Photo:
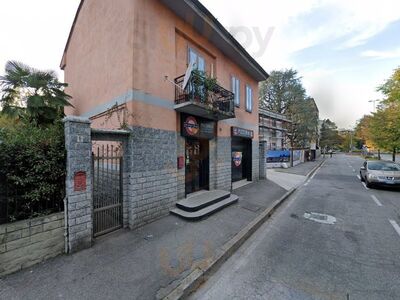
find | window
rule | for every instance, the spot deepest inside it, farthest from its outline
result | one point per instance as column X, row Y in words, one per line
column 249, row 99
column 236, row 90
column 199, row 61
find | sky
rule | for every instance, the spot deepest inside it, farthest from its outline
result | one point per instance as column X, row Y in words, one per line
column 342, row 49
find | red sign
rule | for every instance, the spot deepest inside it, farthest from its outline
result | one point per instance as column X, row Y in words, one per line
column 191, row 126
column 80, row 181
column 181, row 162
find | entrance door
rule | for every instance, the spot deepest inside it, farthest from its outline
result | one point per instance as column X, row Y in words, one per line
column 241, row 159
column 197, row 165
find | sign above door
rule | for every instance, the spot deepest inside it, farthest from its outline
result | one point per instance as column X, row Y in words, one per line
column 243, row 133
column 196, row 127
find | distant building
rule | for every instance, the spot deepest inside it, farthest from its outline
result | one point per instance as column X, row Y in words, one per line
column 273, row 129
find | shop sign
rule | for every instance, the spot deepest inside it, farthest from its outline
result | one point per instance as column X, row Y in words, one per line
column 191, row 126
column 241, row 132
column 197, row 127
column 237, row 158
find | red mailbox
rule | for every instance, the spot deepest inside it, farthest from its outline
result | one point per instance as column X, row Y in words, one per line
column 181, row 162
column 80, row 181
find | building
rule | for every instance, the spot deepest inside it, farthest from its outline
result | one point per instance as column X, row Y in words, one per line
column 169, row 72
column 274, row 130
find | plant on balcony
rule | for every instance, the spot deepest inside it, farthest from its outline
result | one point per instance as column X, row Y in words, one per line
column 203, row 85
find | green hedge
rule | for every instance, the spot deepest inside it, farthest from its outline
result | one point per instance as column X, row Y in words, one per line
column 32, row 171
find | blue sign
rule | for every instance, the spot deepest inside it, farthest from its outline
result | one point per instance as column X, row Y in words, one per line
column 278, row 156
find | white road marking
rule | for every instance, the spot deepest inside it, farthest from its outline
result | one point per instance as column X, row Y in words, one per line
column 358, row 176
column 376, row 200
column 363, row 183
column 395, row 226
column 354, row 170
column 315, row 173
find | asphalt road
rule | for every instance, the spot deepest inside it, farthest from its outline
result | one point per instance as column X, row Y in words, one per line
column 291, row 257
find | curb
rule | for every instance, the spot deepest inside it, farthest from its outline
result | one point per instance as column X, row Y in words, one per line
column 315, row 168
column 200, row 274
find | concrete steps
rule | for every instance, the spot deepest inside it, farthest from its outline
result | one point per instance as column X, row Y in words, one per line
column 203, row 204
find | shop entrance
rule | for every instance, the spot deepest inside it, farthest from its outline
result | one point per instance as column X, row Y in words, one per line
column 197, row 165
column 241, row 159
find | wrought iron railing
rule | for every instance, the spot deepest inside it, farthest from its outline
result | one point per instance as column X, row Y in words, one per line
column 211, row 96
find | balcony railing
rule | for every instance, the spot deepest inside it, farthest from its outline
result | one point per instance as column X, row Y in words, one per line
column 201, row 98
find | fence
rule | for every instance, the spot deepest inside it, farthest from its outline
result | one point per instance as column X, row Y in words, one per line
column 17, row 204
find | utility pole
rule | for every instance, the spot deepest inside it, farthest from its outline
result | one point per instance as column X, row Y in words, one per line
column 374, row 102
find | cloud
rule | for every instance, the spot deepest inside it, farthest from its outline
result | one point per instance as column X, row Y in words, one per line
column 381, row 54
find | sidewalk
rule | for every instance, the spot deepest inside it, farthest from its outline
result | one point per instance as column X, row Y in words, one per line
column 144, row 263
column 292, row 177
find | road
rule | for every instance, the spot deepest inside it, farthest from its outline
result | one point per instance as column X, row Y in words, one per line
column 292, row 257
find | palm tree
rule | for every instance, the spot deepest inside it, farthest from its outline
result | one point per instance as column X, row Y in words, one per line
column 32, row 95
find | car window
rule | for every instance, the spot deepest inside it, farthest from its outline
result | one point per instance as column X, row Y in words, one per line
column 383, row 166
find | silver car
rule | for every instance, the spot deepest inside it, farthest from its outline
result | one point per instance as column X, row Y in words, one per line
column 380, row 173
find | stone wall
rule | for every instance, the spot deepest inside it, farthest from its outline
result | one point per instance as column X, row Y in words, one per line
column 181, row 172
column 223, row 168
column 79, row 202
column 153, row 179
column 263, row 160
column 26, row 243
column 255, row 165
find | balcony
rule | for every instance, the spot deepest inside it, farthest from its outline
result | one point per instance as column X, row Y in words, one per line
column 204, row 98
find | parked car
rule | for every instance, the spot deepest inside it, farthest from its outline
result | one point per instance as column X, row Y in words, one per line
column 375, row 173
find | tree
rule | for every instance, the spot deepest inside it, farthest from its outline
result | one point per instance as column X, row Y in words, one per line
column 305, row 117
column 385, row 128
column 363, row 133
column 385, row 123
column 284, row 93
column 281, row 90
column 31, row 95
column 391, row 88
column 330, row 138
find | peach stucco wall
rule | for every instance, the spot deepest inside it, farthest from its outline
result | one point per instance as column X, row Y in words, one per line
column 160, row 49
column 133, row 46
column 98, row 61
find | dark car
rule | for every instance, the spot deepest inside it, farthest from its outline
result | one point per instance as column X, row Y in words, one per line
column 375, row 173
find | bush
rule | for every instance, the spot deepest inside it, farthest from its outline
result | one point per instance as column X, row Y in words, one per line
column 32, row 171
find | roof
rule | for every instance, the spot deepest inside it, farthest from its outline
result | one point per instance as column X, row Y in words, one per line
column 62, row 64
column 192, row 11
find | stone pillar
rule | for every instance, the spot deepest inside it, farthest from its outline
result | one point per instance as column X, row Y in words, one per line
column 78, row 205
column 263, row 161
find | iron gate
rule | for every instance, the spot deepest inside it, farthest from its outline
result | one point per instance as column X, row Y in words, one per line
column 107, row 189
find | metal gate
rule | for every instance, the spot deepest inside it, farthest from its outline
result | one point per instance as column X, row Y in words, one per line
column 107, row 189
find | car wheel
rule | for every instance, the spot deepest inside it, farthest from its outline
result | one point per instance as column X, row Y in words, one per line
column 368, row 184
column 362, row 178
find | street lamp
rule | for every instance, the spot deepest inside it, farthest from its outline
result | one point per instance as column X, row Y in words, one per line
column 374, row 102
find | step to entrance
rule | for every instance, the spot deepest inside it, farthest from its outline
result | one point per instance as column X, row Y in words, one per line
column 203, row 204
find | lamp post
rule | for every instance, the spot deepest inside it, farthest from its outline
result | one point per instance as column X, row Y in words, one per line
column 374, row 102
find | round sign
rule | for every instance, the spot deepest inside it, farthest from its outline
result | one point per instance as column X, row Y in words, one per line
column 237, row 158
column 191, row 126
